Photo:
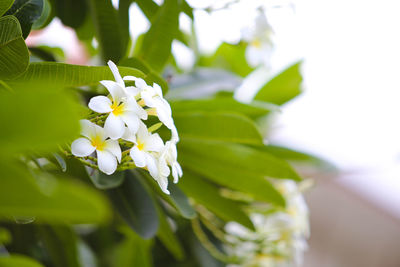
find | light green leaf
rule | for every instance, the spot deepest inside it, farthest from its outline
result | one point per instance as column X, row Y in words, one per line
column 108, row 31
column 206, row 194
column 221, row 104
column 5, row 236
column 14, row 56
column 5, row 5
column 283, row 87
column 18, row 261
column 72, row 12
column 27, row 12
column 132, row 201
column 48, row 200
column 229, row 127
column 156, row 46
column 71, row 75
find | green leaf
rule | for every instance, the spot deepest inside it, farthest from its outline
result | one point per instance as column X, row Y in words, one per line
column 149, row 8
column 14, row 55
column 283, row 87
column 15, row 260
column 228, row 127
column 71, row 75
column 108, row 31
column 5, row 5
column 5, row 236
column 221, row 104
column 45, row 18
column 61, row 243
column 104, row 181
column 132, row 251
column 208, row 195
column 151, row 76
column 27, row 12
column 71, row 12
column 236, row 166
column 168, row 237
column 156, row 46
column 48, row 199
column 37, row 118
column 132, row 201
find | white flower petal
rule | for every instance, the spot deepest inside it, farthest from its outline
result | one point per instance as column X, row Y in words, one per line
column 129, row 136
column 131, row 120
column 132, row 105
column 142, row 132
column 113, row 147
column 165, row 118
column 129, row 78
column 117, row 91
column 114, row 127
column 87, row 128
column 132, row 90
column 176, row 171
column 139, row 157
column 163, row 167
column 154, row 143
column 100, row 104
column 115, row 72
column 141, row 84
column 82, row 147
column 157, row 89
column 148, row 98
column 163, row 183
column 151, row 165
column 106, row 161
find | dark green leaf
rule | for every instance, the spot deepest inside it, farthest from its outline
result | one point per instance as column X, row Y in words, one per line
column 14, row 56
column 283, row 87
column 27, row 12
column 18, row 261
column 45, row 18
column 104, row 181
column 136, row 206
column 156, row 46
column 5, row 5
column 208, row 195
column 149, row 8
column 71, row 12
column 228, row 127
column 108, row 31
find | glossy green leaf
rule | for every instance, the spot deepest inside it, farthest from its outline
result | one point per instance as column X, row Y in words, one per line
column 5, row 5
column 48, row 199
column 221, row 104
column 132, row 251
column 37, row 117
column 45, row 17
column 27, row 12
column 14, row 56
column 132, row 201
column 61, row 243
column 283, row 87
column 71, row 12
column 156, row 46
column 104, row 181
column 206, row 194
column 229, row 127
column 151, row 76
column 71, row 75
column 107, row 28
column 15, row 260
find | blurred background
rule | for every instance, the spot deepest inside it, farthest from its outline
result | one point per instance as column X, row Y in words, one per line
column 347, row 114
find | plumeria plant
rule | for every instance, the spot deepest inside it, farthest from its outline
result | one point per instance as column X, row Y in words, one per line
column 129, row 159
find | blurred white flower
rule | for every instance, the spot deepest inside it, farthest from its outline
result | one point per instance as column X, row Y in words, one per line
column 168, row 156
column 107, row 150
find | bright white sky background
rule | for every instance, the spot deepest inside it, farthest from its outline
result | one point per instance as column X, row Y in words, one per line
column 349, row 112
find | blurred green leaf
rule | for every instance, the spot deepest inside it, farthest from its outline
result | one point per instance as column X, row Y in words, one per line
column 228, row 127
column 70, row 75
column 15, row 260
column 61, row 243
column 187, row 9
column 151, row 76
column 282, row 87
column 132, row 251
column 104, row 181
column 156, row 46
column 132, row 201
column 45, row 17
column 27, row 12
column 48, row 199
column 5, row 5
column 222, row 104
column 107, row 28
column 72, row 13
column 14, row 56
column 5, row 236
column 37, row 118
column 208, row 195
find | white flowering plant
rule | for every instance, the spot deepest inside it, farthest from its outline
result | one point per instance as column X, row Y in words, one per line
column 125, row 158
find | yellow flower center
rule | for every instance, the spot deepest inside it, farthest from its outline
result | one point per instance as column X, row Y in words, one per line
column 256, row 43
column 98, row 143
column 117, row 109
column 140, row 145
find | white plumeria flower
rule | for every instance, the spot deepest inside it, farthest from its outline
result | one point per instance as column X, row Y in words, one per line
column 107, row 150
column 168, row 156
column 123, row 110
column 145, row 150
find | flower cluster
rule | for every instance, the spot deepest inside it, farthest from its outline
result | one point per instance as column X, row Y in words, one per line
column 123, row 113
column 280, row 237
